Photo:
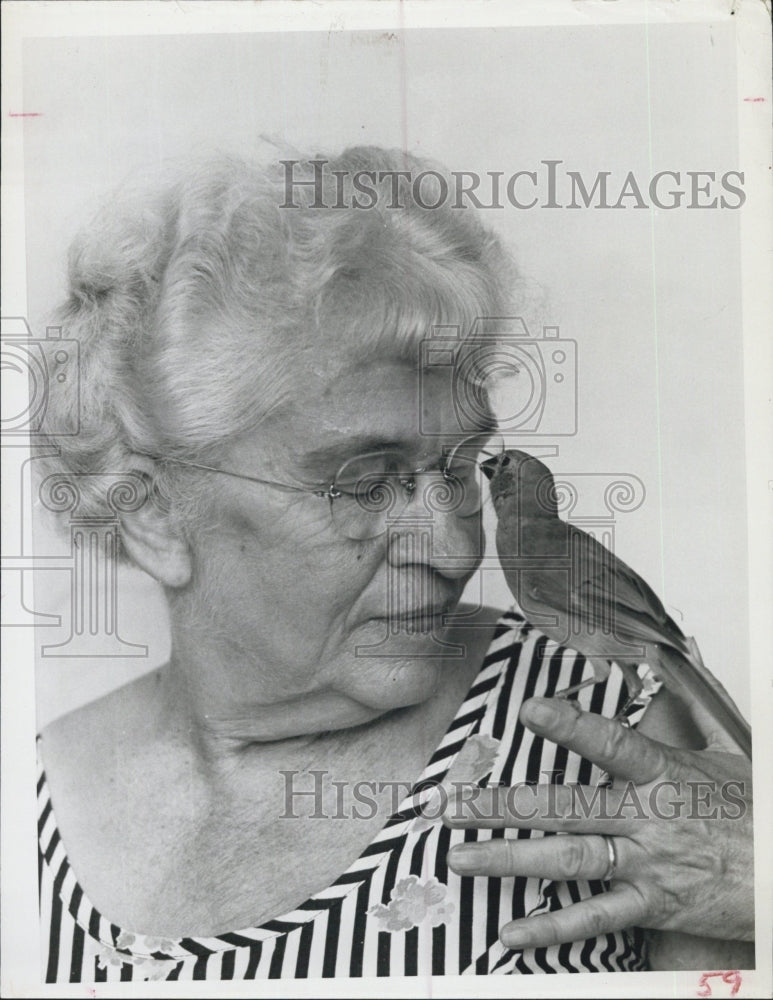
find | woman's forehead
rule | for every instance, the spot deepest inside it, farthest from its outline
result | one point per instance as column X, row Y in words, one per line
column 392, row 395
column 356, row 404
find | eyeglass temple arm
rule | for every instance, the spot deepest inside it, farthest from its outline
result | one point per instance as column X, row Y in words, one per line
column 328, row 494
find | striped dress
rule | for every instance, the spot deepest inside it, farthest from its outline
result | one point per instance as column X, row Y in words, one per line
column 398, row 909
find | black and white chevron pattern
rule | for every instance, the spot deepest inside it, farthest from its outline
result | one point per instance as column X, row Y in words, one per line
column 335, row 933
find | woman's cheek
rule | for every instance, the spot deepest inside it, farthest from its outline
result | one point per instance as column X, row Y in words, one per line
column 342, row 577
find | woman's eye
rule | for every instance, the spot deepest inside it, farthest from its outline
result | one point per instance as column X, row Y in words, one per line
column 365, row 470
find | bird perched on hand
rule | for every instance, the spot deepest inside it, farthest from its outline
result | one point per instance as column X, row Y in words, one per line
column 582, row 596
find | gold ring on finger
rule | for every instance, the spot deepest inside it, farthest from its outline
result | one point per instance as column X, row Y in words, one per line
column 609, row 874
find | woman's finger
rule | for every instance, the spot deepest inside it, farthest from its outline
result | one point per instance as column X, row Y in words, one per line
column 560, row 858
column 615, row 748
column 559, row 808
column 615, row 910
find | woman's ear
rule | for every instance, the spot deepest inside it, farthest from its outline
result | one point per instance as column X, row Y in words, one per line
column 152, row 538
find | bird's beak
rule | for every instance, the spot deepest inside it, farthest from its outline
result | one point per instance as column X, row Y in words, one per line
column 489, row 467
column 492, row 465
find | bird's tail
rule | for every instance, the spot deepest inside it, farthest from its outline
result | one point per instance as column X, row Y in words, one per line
column 700, row 685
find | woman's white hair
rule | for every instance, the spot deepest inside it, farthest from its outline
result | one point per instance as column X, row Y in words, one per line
column 198, row 305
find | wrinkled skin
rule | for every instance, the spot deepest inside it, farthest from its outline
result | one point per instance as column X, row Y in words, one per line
column 692, row 874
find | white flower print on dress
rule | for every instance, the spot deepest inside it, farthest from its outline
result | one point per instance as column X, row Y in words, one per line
column 475, row 761
column 411, row 903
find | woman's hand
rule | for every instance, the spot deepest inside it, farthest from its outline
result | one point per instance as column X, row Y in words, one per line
column 676, row 823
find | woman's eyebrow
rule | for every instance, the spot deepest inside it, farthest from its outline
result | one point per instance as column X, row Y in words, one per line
column 350, row 446
column 361, row 444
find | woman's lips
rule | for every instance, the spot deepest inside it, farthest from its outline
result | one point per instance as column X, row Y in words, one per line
column 431, row 612
column 399, row 612
column 422, row 619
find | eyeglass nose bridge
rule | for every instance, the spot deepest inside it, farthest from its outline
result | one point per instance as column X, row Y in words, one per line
column 394, row 499
column 390, row 494
column 431, row 493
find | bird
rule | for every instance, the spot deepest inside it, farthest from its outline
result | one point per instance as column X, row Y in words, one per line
column 581, row 595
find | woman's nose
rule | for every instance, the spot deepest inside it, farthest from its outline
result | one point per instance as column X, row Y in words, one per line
column 451, row 545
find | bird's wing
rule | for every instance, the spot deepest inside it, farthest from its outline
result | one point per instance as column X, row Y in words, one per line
column 570, row 572
column 607, row 588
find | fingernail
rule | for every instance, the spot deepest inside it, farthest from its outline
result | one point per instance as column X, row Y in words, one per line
column 451, row 809
column 543, row 711
column 516, row 939
column 460, row 808
column 466, row 857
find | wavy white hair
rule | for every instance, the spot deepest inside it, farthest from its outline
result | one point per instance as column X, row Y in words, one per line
column 196, row 304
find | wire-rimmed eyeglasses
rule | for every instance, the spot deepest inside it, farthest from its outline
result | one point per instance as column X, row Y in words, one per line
column 371, row 490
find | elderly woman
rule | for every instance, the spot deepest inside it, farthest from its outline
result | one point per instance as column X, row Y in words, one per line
column 267, row 803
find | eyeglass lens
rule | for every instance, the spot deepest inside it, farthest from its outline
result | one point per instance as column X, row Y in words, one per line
column 371, row 491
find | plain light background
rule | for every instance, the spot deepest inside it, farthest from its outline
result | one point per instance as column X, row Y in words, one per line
column 652, row 297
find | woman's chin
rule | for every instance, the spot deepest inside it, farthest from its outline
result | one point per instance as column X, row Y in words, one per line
column 385, row 682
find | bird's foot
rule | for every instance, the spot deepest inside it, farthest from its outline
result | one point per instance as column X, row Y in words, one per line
column 622, row 715
column 634, row 687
